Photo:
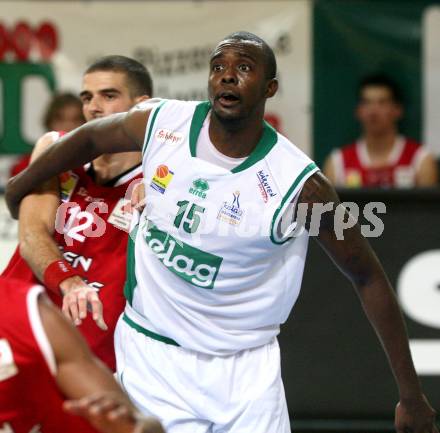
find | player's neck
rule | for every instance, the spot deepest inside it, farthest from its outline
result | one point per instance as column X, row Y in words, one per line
column 109, row 166
column 381, row 143
column 235, row 139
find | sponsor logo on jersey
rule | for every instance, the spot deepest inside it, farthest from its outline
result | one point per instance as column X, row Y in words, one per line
column 264, row 186
column 354, row 178
column 161, row 179
column 8, row 368
column 199, row 188
column 87, row 197
column 68, row 183
column 121, row 215
column 193, row 265
column 231, row 212
column 166, row 136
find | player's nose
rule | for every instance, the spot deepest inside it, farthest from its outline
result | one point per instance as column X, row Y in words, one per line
column 94, row 106
column 229, row 76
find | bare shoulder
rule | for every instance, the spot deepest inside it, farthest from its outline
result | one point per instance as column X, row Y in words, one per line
column 318, row 189
column 43, row 143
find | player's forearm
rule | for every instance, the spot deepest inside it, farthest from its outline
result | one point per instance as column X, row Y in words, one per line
column 39, row 249
column 355, row 258
column 36, row 227
column 382, row 309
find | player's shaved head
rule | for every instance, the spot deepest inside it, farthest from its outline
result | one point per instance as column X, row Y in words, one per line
column 268, row 54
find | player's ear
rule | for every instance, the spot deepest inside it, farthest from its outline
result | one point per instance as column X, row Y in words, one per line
column 141, row 98
column 271, row 88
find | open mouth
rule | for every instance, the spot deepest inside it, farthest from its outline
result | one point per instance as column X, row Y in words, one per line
column 228, row 99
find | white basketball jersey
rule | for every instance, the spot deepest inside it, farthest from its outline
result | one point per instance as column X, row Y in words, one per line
column 207, row 268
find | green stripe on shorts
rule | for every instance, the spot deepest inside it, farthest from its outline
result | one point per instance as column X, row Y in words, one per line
column 148, row 333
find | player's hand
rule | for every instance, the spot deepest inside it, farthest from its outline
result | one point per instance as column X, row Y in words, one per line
column 110, row 412
column 138, row 196
column 415, row 416
column 78, row 299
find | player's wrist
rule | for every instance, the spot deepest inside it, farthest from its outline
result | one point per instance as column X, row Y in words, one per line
column 56, row 273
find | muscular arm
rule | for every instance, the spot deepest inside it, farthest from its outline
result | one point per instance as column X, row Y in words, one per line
column 78, row 372
column 116, row 133
column 356, row 259
column 329, row 170
column 38, row 247
column 37, row 219
column 80, row 376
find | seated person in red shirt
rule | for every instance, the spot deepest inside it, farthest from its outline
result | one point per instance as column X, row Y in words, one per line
column 381, row 157
column 63, row 113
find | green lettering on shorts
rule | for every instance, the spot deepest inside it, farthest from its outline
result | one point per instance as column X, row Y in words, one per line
column 195, row 266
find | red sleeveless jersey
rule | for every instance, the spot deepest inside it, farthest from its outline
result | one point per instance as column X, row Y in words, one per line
column 353, row 168
column 29, row 397
column 92, row 231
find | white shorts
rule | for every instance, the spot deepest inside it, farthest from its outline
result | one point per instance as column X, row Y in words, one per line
column 196, row 393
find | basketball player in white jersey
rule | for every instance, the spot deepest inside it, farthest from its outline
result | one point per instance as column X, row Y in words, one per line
column 212, row 269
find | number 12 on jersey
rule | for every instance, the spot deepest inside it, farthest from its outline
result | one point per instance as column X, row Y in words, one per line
column 188, row 216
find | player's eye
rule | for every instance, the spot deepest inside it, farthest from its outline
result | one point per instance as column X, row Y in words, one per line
column 216, row 67
column 85, row 99
column 110, row 96
column 244, row 67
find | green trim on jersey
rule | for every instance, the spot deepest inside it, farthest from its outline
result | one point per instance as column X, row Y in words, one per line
column 148, row 333
column 130, row 282
column 287, row 198
column 263, row 147
column 199, row 117
column 151, row 124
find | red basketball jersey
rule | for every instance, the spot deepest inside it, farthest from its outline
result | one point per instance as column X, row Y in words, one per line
column 92, row 230
column 29, row 398
column 353, row 167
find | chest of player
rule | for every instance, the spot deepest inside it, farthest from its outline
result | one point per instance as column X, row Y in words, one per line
column 396, row 170
column 201, row 205
column 90, row 210
column 388, row 176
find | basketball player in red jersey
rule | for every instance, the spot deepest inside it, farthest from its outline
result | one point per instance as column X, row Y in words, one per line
column 81, row 260
column 381, row 157
column 43, row 359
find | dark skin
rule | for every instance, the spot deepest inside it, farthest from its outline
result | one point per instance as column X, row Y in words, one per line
column 238, row 88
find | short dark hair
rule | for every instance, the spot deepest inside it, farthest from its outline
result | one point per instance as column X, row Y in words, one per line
column 56, row 104
column 138, row 77
column 381, row 80
column 269, row 56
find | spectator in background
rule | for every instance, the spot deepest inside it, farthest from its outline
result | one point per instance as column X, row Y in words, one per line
column 381, row 157
column 63, row 113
